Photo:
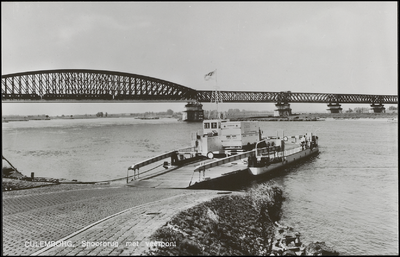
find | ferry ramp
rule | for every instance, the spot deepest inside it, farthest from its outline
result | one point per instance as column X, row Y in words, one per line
column 194, row 173
column 185, row 176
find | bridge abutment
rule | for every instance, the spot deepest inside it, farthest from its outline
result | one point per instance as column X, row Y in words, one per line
column 283, row 109
column 193, row 112
column 334, row 108
column 377, row 108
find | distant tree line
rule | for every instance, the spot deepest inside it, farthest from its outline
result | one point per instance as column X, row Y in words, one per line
column 101, row 114
column 366, row 109
column 169, row 112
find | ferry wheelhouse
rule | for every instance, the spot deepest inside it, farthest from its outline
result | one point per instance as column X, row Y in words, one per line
column 221, row 137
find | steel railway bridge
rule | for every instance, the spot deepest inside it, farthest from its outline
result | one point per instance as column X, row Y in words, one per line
column 77, row 85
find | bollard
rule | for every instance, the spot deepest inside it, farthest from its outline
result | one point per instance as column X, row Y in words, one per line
column 32, row 176
column 165, row 165
column 297, row 240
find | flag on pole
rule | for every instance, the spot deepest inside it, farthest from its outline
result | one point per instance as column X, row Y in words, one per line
column 210, row 75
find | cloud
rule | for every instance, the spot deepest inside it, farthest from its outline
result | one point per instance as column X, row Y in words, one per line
column 88, row 24
column 327, row 28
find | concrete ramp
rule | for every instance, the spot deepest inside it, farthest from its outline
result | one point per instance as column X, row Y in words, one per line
column 183, row 177
column 144, row 183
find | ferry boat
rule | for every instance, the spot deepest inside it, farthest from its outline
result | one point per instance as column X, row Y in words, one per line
column 237, row 148
column 222, row 137
column 274, row 152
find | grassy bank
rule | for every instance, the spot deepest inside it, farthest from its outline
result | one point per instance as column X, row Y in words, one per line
column 9, row 184
column 227, row 225
column 12, row 179
column 236, row 225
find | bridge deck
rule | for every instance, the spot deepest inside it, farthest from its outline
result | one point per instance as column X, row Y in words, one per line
column 82, row 85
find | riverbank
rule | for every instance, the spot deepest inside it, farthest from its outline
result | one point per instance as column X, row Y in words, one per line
column 16, row 118
column 12, row 179
column 21, row 182
column 9, row 184
column 293, row 117
column 126, row 220
column 243, row 224
column 321, row 117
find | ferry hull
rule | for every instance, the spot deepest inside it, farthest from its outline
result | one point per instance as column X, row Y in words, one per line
column 256, row 171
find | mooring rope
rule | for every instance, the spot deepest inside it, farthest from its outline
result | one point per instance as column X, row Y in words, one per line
column 10, row 164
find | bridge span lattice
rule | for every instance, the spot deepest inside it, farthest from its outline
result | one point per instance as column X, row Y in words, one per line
column 78, row 85
column 90, row 85
column 242, row 96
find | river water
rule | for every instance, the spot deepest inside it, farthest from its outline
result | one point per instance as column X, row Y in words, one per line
column 347, row 196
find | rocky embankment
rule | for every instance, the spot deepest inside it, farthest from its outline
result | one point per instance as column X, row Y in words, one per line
column 234, row 225
column 17, row 184
column 287, row 242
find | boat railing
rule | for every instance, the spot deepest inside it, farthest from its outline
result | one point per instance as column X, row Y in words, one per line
column 138, row 165
column 187, row 150
column 204, row 166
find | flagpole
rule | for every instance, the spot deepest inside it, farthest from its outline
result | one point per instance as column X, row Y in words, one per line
column 216, row 93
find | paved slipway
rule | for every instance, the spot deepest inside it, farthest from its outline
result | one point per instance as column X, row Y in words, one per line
column 77, row 217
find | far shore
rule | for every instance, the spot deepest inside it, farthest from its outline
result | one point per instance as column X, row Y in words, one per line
column 11, row 118
column 323, row 117
column 260, row 117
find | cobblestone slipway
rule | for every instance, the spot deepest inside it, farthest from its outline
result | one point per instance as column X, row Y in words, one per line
column 118, row 217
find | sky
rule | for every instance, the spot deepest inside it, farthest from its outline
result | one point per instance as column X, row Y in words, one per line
column 316, row 47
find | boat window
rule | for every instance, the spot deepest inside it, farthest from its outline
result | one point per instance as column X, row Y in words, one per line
column 228, row 137
column 213, row 125
column 219, row 125
column 206, row 125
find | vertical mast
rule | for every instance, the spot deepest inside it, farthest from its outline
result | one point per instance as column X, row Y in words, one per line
column 213, row 75
column 217, row 98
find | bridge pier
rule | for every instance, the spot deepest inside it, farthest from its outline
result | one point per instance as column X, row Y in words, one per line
column 193, row 112
column 377, row 108
column 334, row 108
column 283, row 109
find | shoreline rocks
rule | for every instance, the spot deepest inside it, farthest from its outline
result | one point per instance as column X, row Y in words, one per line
column 9, row 184
column 320, row 249
column 12, row 179
column 288, row 243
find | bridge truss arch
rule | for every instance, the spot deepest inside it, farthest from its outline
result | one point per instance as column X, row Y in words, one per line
column 292, row 97
column 78, row 84
column 82, row 84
